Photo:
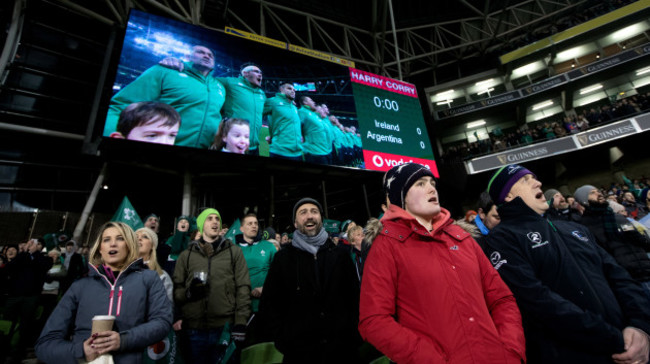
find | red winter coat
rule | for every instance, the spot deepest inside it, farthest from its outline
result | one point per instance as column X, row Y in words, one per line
column 435, row 297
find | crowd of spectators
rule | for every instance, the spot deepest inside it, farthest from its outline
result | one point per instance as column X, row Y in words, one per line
column 265, row 278
column 629, row 199
column 35, row 276
column 544, row 130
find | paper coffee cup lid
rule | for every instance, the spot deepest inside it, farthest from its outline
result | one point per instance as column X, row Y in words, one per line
column 104, row 317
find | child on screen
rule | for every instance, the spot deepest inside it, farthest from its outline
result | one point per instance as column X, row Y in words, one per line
column 149, row 121
column 232, row 136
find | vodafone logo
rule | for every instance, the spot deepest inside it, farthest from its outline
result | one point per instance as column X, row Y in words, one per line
column 379, row 161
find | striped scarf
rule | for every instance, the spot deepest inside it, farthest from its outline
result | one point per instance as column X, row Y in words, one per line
column 608, row 218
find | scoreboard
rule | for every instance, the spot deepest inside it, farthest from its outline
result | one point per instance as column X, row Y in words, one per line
column 391, row 122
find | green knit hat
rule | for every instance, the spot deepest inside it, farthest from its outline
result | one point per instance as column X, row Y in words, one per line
column 204, row 215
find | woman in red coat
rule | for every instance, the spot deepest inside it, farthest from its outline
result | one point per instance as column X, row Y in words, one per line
column 429, row 294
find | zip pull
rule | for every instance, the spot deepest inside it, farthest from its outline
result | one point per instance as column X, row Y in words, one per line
column 119, row 302
column 110, row 301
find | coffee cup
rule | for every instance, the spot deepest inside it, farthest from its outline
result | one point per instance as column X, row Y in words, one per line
column 102, row 323
column 201, row 276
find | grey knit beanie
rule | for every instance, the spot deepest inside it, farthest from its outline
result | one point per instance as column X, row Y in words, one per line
column 582, row 194
column 548, row 195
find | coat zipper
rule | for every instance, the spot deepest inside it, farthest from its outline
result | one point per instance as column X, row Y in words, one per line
column 112, row 294
column 579, row 269
column 110, row 301
column 119, row 301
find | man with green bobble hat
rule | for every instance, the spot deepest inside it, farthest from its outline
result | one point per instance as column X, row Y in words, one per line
column 284, row 124
column 188, row 88
column 212, row 290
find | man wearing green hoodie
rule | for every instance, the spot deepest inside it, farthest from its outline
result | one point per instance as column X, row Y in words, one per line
column 284, row 124
column 197, row 96
column 246, row 101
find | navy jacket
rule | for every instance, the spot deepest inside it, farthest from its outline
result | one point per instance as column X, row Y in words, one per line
column 574, row 298
column 137, row 299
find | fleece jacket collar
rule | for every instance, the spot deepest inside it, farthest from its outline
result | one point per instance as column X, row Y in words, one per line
column 395, row 213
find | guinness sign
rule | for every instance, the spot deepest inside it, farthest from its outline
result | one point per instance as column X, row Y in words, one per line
column 521, row 155
column 567, row 144
column 606, row 133
column 643, row 121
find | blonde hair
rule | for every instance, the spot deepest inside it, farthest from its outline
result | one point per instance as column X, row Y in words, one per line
column 152, row 263
column 125, row 230
column 353, row 230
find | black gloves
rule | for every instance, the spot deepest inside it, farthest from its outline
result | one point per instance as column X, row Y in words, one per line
column 197, row 290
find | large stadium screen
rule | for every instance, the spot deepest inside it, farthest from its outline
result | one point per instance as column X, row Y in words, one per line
column 188, row 86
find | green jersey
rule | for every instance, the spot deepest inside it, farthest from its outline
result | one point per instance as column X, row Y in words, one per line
column 244, row 101
column 258, row 259
column 317, row 141
column 197, row 98
column 284, row 126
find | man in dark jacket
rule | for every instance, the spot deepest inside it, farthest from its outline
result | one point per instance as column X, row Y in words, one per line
column 311, row 295
column 578, row 305
column 26, row 275
column 616, row 234
column 559, row 208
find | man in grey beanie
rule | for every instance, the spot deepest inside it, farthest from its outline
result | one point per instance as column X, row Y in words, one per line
column 311, row 294
column 582, row 194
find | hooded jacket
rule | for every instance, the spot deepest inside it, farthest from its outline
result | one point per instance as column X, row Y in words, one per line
column 433, row 297
column 197, row 98
column 311, row 305
column 284, row 126
column 143, row 315
column 228, row 298
column 574, row 299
